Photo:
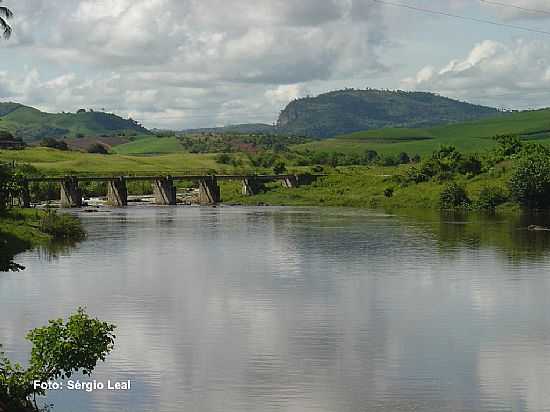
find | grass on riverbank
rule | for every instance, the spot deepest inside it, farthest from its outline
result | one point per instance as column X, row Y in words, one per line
column 364, row 187
column 24, row 229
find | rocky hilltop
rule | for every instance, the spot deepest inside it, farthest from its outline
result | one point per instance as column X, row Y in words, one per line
column 350, row 110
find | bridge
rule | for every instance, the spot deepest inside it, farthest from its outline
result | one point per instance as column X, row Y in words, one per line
column 164, row 189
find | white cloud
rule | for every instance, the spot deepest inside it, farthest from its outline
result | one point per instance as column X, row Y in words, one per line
column 202, row 60
column 190, row 63
column 492, row 69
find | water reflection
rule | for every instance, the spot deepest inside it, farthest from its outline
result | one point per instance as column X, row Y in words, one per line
column 269, row 308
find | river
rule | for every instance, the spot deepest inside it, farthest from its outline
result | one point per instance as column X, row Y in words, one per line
column 291, row 309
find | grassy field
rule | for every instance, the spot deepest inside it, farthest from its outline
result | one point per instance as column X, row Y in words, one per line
column 149, row 146
column 56, row 162
column 467, row 137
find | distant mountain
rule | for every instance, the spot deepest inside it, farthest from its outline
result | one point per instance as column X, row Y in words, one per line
column 350, row 110
column 31, row 124
column 247, row 128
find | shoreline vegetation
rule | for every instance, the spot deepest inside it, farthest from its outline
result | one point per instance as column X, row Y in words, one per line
column 25, row 229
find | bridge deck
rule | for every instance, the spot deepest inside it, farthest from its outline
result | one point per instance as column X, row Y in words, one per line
column 159, row 177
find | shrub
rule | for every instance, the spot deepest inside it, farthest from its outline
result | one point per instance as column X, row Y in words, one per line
column 507, row 146
column 403, row 158
column 389, row 161
column 62, row 226
column 223, row 159
column 530, row 181
column 54, row 144
column 417, row 175
column 371, row 156
column 491, row 197
column 453, row 196
column 279, row 168
column 470, row 166
column 98, row 148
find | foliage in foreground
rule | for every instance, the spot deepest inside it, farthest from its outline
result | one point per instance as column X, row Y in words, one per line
column 59, row 350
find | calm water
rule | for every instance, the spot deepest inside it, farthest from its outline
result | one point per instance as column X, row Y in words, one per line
column 273, row 309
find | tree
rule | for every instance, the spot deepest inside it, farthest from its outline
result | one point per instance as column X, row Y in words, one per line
column 530, row 181
column 5, row 15
column 59, row 350
column 10, row 186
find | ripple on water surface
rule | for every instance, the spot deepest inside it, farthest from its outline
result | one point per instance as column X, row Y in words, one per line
column 269, row 309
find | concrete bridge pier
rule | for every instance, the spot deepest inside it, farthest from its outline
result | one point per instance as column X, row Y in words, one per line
column 71, row 196
column 117, row 192
column 164, row 191
column 209, row 191
column 25, row 196
column 252, row 186
column 290, row 182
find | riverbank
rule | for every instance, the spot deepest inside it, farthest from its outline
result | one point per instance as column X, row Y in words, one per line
column 371, row 187
column 24, row 229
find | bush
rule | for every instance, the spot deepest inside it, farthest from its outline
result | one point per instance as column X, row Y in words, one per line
column 508, row 146
column 279, row 168
column 62, row 226
column 403, row 158
column 223, row 159
column 470, row 166
column 389, row 161
column 453, row 196
column 54, row 144
column 98, row 148
column 530, row 181
column 491, row 197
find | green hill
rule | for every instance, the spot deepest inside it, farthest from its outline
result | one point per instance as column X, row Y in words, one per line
column 350, row 110
column 31, row 124
column 467, row 137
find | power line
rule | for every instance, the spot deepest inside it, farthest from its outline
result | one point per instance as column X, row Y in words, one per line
column 515, row 6
column 457, row 16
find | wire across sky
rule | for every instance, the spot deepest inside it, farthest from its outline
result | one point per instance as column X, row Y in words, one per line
column 457, row 16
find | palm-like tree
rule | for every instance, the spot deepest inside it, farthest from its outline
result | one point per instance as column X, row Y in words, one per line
column 5, row 14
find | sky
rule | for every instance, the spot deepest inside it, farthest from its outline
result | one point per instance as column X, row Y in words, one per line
column 182, row 64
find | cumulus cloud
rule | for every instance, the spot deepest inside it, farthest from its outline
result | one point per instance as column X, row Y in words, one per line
column 492, row 69
column 192, row 63
column 186, row 59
